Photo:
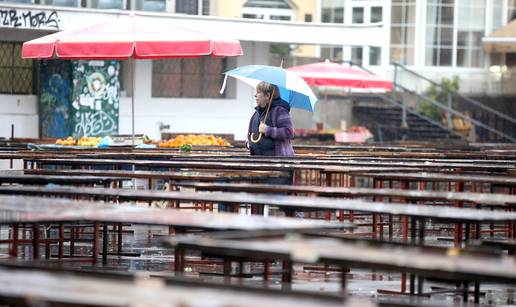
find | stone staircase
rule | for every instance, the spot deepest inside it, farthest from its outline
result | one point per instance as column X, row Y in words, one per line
column 384, row 121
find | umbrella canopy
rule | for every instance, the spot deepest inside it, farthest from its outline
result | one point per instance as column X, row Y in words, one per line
column 293, row 89
column 123, row 38
column 333, row 74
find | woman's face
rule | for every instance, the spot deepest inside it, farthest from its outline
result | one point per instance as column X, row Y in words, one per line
column 261, row 99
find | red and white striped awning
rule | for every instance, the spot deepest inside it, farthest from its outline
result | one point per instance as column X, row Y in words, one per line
column 137, row 37
column 333, row 74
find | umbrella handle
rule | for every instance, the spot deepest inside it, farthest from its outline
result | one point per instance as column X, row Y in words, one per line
column 256, row 140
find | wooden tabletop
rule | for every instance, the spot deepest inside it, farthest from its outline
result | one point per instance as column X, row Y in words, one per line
column 184, row 175
column 449, row 214
column 66, row 180
column 490, row 199
column 430, row 176
column 58, row 287
column 24, row 209
column 429, row 262
column 273, row 166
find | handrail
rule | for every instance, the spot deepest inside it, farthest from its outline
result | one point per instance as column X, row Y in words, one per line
column 440, row 105
column 358, row 65
column 472, row 120
column 476, row 103
column 395, row 102
column 436, row 123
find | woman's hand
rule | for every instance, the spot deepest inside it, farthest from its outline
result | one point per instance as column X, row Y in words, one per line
column 262, row 128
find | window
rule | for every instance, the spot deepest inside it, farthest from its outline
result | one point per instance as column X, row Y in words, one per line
column 375, row 56
column 198, row 77
column 16, row 74
column 268, row 10
column 279, row 17
column 308, row 17
column 108, row 4
column 206, row 7
column 511, row 10
column 358, row 15
column 332, row 11
column 252, row 16
column 271, row 4
column 70, row 3
column 191, row 7
column 332, row 53
column 187, row 7
column 338, row 15
column 403, row 31
column 18, row 1
column 470, row 30
column 154, row 5
column 356, row 55
column 439, row 33
column 498, row 19
column 376, row 14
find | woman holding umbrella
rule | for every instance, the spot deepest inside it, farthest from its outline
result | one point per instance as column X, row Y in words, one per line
column 277, row 90
column 270, row 127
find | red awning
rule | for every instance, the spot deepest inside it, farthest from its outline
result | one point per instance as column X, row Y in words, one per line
column 122, row 38
column 333, row 74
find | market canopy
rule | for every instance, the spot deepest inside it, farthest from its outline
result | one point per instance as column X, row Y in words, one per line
column 132, row 37
column 332, row 74
column 502, row 40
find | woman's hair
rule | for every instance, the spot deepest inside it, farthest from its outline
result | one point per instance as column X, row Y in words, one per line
column 268, row 88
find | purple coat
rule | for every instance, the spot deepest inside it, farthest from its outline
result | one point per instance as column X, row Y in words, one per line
column 280, row 129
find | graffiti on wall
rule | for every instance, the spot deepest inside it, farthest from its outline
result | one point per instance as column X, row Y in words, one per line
column 29, row 19
column 55, row 98
column 95, row 99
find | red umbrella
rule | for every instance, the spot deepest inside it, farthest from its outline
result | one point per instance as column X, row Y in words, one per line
column 133, row 37
column 333, row 74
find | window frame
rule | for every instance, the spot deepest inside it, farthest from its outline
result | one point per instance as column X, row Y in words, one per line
column 202, row 75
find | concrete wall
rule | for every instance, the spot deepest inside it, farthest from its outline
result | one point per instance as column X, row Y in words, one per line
column 20, row 111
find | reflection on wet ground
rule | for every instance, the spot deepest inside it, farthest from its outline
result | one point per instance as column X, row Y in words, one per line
column 154, row 257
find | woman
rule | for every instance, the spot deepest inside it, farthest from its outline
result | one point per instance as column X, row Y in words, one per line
column 270, row 127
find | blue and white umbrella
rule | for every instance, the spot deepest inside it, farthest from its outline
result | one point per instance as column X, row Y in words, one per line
column 293, row 89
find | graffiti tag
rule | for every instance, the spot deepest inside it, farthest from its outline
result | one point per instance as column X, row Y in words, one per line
column 35, row 20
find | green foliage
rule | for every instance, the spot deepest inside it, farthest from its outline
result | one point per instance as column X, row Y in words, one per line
column 186, row 148
column 439, row 94
column 282, row 50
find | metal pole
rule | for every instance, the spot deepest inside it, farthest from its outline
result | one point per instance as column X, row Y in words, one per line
column 404, row 111
column 325, row 105
column 394, row 81
column 132, row 98
column 133, row 67
column 448, row 113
